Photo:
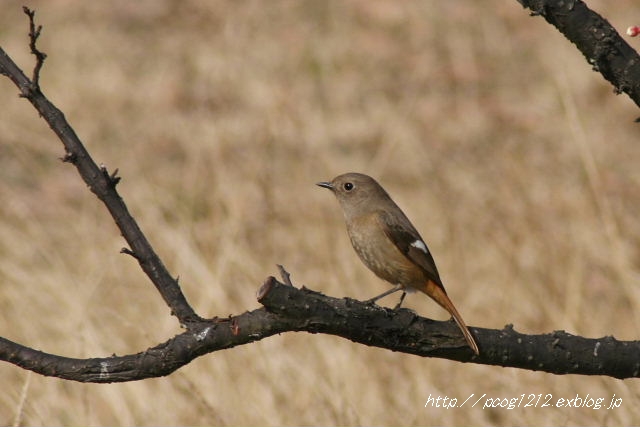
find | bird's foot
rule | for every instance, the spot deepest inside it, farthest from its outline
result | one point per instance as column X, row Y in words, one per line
column 397, row 307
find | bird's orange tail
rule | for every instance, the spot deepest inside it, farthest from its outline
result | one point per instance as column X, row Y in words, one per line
column 437, row 293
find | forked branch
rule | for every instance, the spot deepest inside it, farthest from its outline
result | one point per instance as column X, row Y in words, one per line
column 286, row 308
column 101, row 183
column 289, row 309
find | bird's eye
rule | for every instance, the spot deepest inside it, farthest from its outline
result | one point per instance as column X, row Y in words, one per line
column 348, row 186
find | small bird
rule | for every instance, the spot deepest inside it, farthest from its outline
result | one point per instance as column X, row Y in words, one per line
column 388, row 244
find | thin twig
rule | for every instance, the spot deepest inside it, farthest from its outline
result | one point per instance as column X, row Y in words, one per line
column 98, row 179
column 34, row 33
column 284, row 274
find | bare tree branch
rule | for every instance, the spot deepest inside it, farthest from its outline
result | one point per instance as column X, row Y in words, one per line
column 287, row 308
column 101, row 183
column 34, row 33
column 598, row 41
column 402, row 330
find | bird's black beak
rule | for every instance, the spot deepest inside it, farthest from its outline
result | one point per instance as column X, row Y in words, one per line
column 325, row 185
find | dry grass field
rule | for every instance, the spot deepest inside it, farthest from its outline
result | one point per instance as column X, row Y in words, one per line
column 515, row 161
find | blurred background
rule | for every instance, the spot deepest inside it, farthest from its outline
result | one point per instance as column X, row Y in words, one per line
column 515, row 160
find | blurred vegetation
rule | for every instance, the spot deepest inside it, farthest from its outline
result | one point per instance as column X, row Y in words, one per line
column 515, row 161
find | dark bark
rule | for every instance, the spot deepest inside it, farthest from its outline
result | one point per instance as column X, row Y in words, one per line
column 598, row 41
column 99, row 181
column 287, row 308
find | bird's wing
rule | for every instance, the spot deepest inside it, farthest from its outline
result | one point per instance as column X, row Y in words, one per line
column 408, row 241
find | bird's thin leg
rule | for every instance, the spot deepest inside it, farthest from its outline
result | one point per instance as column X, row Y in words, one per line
column 396, row 288
column 404, row 294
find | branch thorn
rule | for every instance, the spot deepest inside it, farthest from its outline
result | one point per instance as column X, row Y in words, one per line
column 113, row 178
column 286, row 277
column 128, row 251
column 69, row 157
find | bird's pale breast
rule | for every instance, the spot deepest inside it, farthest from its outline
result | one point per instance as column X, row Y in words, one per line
column 381, row 255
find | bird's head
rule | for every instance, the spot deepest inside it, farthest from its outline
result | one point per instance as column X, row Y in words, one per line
column 357, row 193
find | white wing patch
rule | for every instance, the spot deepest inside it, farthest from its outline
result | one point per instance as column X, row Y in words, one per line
column 420, row 245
